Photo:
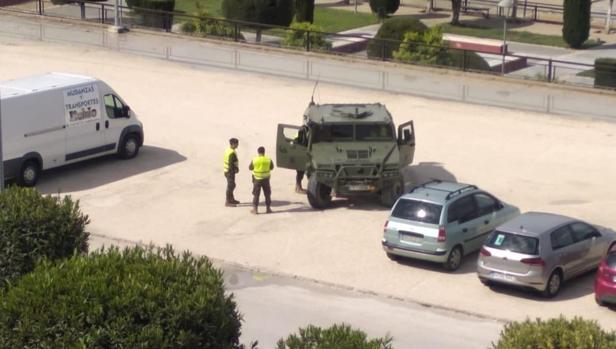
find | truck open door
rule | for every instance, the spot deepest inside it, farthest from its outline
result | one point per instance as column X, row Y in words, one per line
column 406, row 142
column 291, row 147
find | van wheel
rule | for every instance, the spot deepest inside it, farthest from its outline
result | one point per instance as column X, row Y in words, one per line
column 390, row 194
column 29, row 173
column 455, row 259
column 554, row 283
column 319, row 194
column 129, row 148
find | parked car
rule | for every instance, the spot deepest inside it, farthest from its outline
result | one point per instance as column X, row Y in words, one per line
column 541, row 250
column 443, row 221
column 605, row 282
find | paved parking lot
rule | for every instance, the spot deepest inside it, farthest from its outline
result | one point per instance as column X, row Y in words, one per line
column 174, row 191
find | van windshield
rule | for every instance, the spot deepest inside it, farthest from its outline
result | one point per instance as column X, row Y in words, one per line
column 513, row 242
column 417, row 211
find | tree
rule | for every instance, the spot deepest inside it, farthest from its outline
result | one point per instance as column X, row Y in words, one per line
column 383, row 8
column 390, row 35
column 608, row 17
column 304, row 11
column 272, row 12
column 455, row 9
column 576, row 22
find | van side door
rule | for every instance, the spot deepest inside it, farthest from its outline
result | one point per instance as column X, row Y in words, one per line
column 117, row 116
column 84, row 129
column 406, row 143
column 292, row 147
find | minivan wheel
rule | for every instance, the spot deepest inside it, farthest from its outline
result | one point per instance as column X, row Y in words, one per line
column 455, row 259
column 319, row 194
column 29, row 173
column 553, row 286
column 129, row 148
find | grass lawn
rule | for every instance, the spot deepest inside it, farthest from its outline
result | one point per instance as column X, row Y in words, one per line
column 517, row 36
column 331, row 20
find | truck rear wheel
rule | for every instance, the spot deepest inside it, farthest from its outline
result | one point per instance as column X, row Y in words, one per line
column 319, row 194
column 29, row 173
column 390, row 194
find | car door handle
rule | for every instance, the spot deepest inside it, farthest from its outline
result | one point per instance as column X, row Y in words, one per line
column 487, row 221
column 106, row 123
column 465, row 230
column 98, row 126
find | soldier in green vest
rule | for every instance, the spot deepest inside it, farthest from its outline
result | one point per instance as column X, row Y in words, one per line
column 261, row 166
column 230, row 164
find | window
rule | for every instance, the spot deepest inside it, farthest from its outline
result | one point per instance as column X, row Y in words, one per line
column 582, row 231
column 485, row 203
column 113, row 106
column 561, row 237
column 462, row 210
column 333, row 133
column 418, row 211
column 611, row 260
column 513, row 242
column 382, row 132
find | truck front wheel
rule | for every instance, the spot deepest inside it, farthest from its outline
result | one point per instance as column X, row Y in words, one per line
column 319, row 194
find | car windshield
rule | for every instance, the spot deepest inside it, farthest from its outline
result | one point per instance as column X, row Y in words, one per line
column 333, row 133
column 611, row 260
column 418, row 211
column 382, row 132
column 513, row 242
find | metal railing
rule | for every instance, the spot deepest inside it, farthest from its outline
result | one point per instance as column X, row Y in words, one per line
column 516, row 66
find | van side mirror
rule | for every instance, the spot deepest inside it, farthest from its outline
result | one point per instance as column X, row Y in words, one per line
column 125, row 110
column 407, row 135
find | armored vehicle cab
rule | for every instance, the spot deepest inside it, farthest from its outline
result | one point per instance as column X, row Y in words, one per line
column 347, row 150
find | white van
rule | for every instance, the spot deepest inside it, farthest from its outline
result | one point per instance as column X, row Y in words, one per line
column 56, row 119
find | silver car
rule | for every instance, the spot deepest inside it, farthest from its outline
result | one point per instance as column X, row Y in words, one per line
column 541, row 250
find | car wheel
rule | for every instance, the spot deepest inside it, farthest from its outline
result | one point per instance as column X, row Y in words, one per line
column 29, row 173
column 391, row 194
column 319, row 194
column 554, row 283
column 129, row 148
column 599, row 302
column 455, row 259
column 486, row 282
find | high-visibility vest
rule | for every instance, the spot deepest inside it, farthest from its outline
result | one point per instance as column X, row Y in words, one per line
column 261, row 167
column 227, row 157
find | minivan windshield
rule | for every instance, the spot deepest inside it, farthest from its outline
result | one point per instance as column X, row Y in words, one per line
column 513, row 242
column 418, row 211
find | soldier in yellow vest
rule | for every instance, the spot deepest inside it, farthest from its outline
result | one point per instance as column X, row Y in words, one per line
column 261, row 166
column 230, row 165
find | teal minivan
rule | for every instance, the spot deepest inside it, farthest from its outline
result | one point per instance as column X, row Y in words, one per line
column 442, row 222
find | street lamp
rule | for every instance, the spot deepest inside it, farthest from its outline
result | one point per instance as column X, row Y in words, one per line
column 506, row 4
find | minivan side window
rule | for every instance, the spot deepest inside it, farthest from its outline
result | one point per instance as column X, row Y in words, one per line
column 113, row 106
column 561, row 237
column 485, row 203
column 462, row 210
column 582, row 231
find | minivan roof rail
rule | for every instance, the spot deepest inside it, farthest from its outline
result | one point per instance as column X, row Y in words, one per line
column 460, row 191
column 434, row 181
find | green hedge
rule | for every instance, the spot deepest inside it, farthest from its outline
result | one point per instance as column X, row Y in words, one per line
column 337, row 336
column 35, row 227
column 296, row 37
column 576, row 22
column 555, row 333
column 135, row 298
column 392, row 29
column 605, row 72
column 153, row 19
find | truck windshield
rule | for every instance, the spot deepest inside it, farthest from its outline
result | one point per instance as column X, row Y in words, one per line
column 349, row 133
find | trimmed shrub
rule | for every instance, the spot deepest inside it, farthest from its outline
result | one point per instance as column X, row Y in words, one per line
column 276, row 12
column 383, row 8
column 605, row 72
column 576, row 22
column 304, row 11
column 150, row 18
column 135, row 298
column 35, row 227
column 390, row 35
column 296, row 37
column 555, row 333
column 337, row 336
column 208, row 26
column 466, row 59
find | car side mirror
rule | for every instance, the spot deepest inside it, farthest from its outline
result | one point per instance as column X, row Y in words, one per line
column 125, row 111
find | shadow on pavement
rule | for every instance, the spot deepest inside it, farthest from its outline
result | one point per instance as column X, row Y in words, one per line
column 424, row 172
column 573, row 288
column 100, row 171
column 469, row 264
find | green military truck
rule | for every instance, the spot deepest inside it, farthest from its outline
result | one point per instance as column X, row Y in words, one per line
column 347, row 150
